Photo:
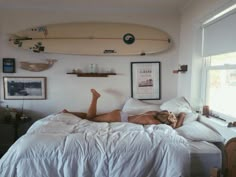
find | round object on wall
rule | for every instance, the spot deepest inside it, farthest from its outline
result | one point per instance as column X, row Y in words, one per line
column 128, row 38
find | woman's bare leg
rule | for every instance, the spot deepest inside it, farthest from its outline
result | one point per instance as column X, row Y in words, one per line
column 113, row 116
column 92, row 111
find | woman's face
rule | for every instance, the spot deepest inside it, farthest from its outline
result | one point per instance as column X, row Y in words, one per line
column 172, row 118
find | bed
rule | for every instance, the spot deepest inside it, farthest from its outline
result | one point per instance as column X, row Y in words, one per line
column 65, row 145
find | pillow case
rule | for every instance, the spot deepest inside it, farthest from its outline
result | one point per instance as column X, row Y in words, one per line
column 177, row 105
column 197, row 131
column 134, row 107
column 190, row 117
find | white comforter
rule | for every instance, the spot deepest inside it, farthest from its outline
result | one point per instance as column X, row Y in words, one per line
column 64, row 145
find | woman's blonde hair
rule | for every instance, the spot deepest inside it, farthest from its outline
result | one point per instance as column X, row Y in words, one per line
column 166, row 117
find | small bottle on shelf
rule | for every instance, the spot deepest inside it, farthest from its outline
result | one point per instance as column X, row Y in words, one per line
column 74, row 71
column 93, row 68
column 7, row 114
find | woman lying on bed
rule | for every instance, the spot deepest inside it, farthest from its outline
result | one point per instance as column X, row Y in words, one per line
column 150, row 117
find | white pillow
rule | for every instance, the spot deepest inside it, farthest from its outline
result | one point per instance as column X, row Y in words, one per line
column 177, row 105
column 190, row 117
column 134, row 107
column 197, row 131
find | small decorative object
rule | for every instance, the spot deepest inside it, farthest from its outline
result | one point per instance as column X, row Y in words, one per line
column 24, row 88
column 128, row 38
column 74, row 71
column 93, row 68
column 41, row 29
column 7, row 114
column 8, row 65
column 37, row 67
column 145, row 80
column 231, row 124
column 108, row 70
column 38, row 47
column 182, row 69
column 206, row 111
column 78, row 71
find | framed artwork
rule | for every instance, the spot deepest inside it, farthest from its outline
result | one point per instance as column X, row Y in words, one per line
column 146, row 80
column 8, row 65
column 24, row 88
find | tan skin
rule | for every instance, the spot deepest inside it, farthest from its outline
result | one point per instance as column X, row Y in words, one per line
column 114, row 116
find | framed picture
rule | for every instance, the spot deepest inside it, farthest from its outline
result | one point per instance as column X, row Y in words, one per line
column 8, row 65
column 24, row 88
column 146, row 80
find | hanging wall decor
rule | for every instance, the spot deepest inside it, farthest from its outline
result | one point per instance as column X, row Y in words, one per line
column 92, row 39
column 146, row 80
column 37, row 67
column 8, row 65
column 24, row 88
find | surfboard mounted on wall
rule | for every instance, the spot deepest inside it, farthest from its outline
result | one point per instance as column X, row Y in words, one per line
column 93, row 39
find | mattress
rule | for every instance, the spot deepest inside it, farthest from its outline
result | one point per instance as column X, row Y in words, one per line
column 204, row 156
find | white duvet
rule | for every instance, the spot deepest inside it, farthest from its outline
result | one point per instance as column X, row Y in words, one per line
column 64, row 145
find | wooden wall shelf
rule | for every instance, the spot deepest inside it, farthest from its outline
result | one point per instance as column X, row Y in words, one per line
column 92, row 74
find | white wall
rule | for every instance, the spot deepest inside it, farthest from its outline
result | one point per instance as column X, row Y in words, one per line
column 71, row 92
column 189, row 84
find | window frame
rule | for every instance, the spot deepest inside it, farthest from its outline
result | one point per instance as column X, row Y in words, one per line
column 207, row 67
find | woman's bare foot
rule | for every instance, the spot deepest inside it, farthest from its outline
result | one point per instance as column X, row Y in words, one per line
column 95, row 93
column 64, row 111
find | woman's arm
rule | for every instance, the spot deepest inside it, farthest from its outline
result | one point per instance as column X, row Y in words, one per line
column 180, row 119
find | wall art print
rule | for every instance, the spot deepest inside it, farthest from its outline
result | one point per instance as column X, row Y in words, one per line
column 24, row 88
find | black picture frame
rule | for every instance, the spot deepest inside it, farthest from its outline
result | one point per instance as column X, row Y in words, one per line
column 146, row 80
column 24, row 88
column 8, row 65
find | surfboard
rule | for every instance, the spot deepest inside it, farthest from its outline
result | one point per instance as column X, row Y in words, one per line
column 93, row 39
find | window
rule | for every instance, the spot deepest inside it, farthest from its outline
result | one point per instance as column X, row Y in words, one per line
column 221, row 85
column 219, row 73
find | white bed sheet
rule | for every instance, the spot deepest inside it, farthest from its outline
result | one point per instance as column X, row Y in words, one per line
column 204, row 156
column 64, row 145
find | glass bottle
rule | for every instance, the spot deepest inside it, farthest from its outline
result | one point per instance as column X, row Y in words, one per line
column 7, row 114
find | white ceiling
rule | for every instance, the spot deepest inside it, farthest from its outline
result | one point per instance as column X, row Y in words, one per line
column 126, row 6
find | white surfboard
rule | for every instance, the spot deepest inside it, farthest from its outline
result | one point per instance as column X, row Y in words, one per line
column 93, row 39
